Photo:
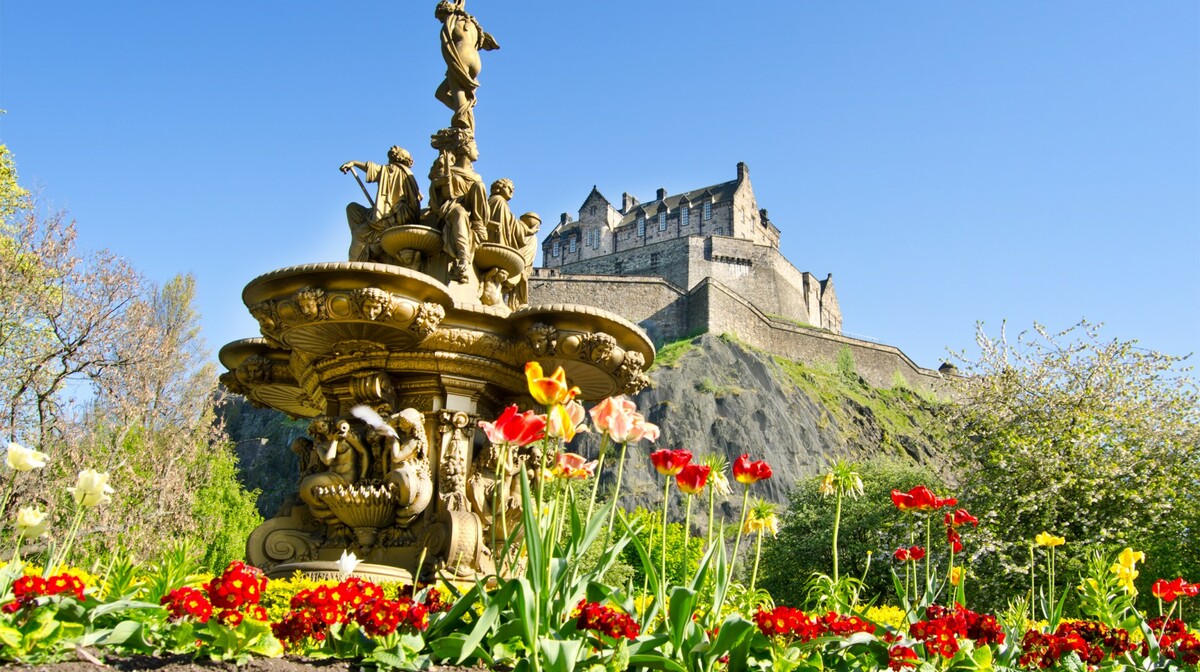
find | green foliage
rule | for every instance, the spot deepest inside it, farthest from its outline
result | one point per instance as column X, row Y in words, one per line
column 845, row 364
column 225, row 513
column 870, row 525
column 12, row 196
column 679, row 564
column 1091, row 439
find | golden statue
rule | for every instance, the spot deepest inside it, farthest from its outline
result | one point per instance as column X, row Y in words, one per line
column 462, row 38
column 458, row 204
column 519, row 234
column 397, row 202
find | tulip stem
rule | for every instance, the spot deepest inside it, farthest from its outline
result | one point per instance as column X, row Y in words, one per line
column 1032, row 583
column 757, row 555
column 837, row 521
column 596, row 482
column 8, row 493
column 712, row 498
column 662, row 577
column 928, row 548
column 612, row 516
column 738, row 542
column 687, row 534
column 66, row 550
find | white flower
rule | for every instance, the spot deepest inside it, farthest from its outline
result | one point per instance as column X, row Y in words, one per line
column 24, row 459
column 92, row 488
column 31, row 522
column 347, row 563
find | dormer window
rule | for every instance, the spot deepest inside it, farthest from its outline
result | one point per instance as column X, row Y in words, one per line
column 572, row 244
column 683, row 215
column 556, row 249
column 707, row 211
column 641, row 220
column 662, row 220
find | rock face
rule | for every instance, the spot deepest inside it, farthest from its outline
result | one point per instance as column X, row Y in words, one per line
column 709, row 395
column 719, row 396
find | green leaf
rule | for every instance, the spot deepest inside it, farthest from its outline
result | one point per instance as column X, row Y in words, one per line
column 655, row 661
column 559, row 655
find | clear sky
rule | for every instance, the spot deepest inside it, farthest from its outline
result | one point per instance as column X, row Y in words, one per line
column 948, row 162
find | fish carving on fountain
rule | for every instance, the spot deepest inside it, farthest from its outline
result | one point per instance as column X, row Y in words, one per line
column 396, row 354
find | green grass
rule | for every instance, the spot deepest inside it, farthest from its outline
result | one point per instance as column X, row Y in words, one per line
column 668, row 356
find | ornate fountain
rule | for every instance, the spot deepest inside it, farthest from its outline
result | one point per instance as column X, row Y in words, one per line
column 423, row 332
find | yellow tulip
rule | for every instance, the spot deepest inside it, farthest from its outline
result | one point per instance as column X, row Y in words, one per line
column 548, row 391
column 1049, row 540
column 956, row 575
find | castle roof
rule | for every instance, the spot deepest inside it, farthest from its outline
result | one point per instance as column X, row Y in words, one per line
column 714, row 193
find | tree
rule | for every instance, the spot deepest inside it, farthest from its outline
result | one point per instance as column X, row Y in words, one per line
column 101, row 368
column 1091, row 439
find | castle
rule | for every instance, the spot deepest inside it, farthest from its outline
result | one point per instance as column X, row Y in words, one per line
column 706, row 260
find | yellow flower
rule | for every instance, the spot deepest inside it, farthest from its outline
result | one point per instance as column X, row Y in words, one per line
column 92, row 488
column 761, row 518
column 31, row 522
column 956, row 575
column 23, row 459
column 1049, row 540
column 1126, row 568
column 548, row 391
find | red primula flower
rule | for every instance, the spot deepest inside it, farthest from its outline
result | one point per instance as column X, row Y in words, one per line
column 670, row 462
column 692, row 478
column 747, row 472
column 901, row 657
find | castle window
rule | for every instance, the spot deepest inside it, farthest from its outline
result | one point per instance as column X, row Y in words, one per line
column 572, row 244
column 592, row 210
column 556, row 249
column 707, row 211
column 596, row 240
column 683, row 215
column 654, row 259
column 619, row 267
column 662, row 220
column 641, row 225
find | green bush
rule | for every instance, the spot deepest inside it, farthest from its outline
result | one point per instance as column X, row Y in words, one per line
column 870, row 525
column 225, row 513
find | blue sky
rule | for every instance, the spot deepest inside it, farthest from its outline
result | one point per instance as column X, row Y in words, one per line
column 947, row 162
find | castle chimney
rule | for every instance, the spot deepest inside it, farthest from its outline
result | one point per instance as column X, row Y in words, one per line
column 743, row 171
column 662, row 194
column 628, row 202
column 564, row 219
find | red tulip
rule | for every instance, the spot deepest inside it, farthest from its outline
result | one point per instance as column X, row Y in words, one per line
column 693, row 478
column 515, row 429
column 902, row 555
column 916, row 553
column 920, row 498
column 1167, row 591
column 670, row 462
column 954, row 539
column 747, row 472
column 961, row 517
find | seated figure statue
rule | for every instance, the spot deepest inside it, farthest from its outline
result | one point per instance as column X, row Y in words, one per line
column 397, row 202
column 458, row 204
column 519, row 234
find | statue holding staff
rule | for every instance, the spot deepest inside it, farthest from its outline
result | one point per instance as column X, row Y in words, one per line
column 397, row 202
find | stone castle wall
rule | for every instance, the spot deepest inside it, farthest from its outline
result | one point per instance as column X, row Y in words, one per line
column 669, row 313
